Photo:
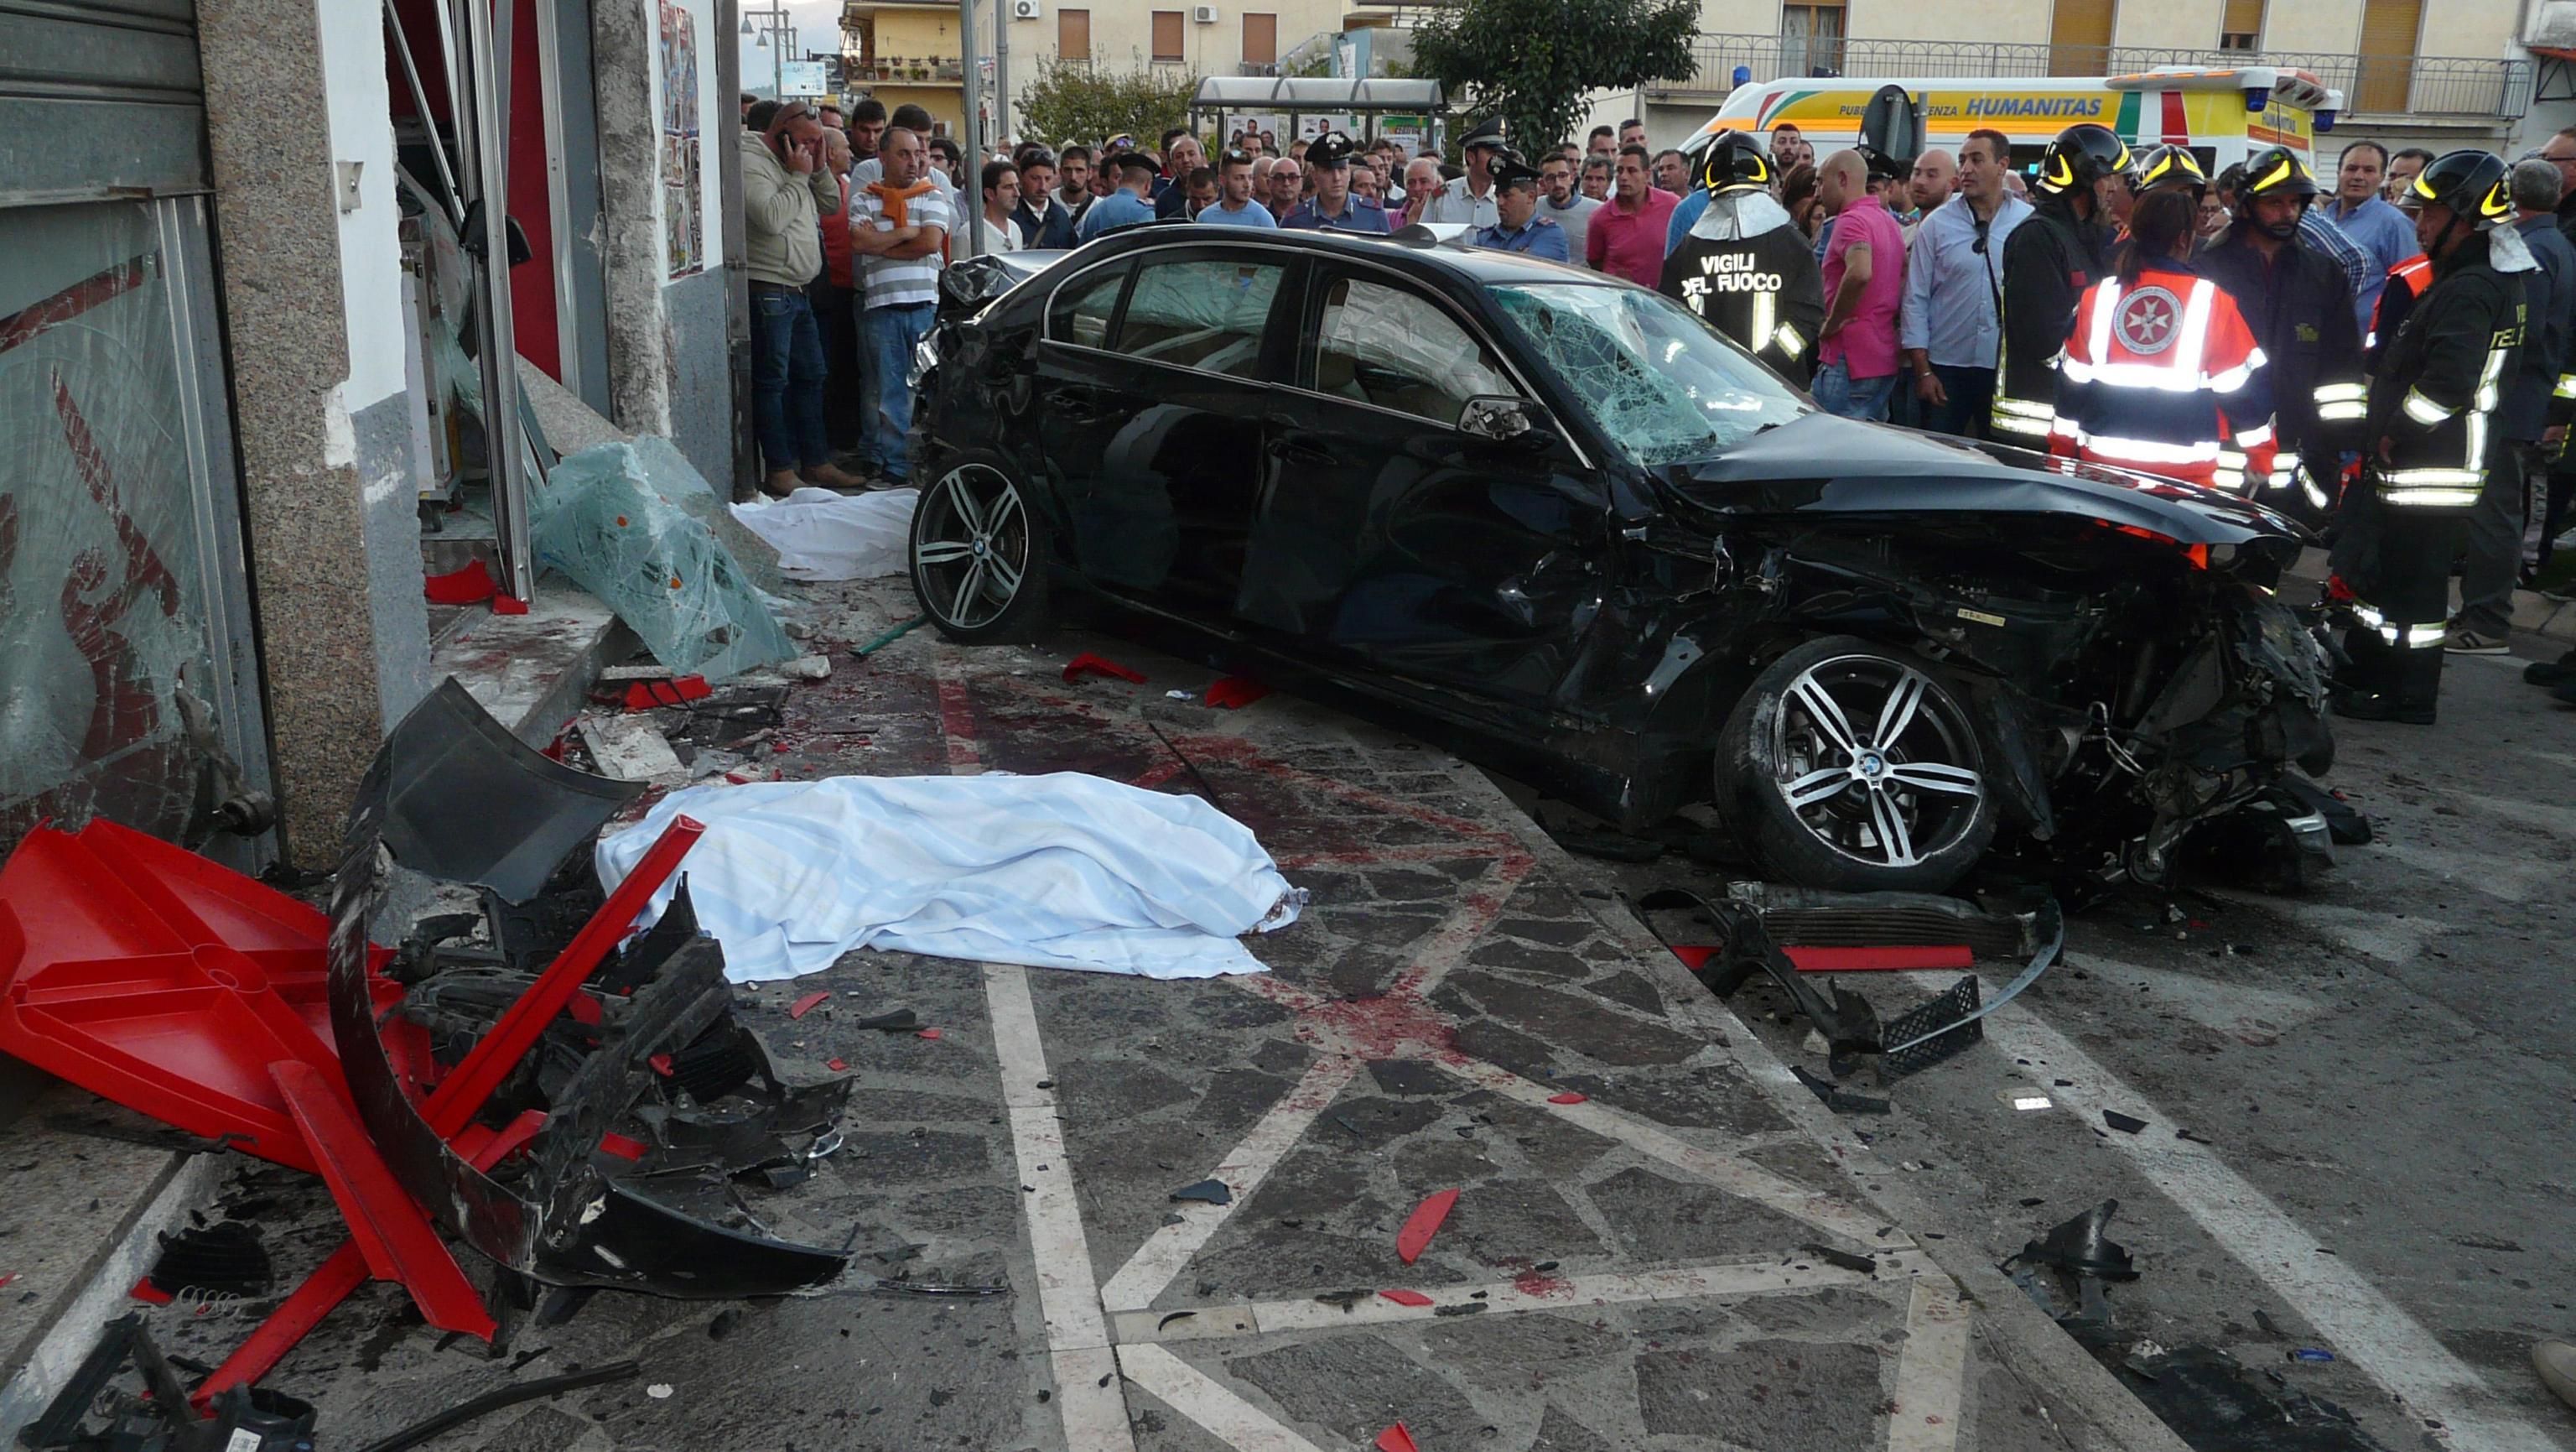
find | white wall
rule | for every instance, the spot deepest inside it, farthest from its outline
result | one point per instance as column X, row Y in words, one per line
column 353, row 65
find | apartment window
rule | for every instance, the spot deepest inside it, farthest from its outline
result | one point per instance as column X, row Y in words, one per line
column 2388, row 30
column 2240, row 27
column 1811, row 39
column 2079, row 37
column 1073, row 35
column 1260, row 39
column 1167, row 34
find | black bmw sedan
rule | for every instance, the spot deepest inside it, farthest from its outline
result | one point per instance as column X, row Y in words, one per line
column 1560, row 522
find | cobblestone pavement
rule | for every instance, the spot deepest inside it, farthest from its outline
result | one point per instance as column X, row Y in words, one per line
column 1659, row 1240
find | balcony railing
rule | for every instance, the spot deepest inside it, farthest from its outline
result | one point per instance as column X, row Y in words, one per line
column 901, row 70
column 2371, row 84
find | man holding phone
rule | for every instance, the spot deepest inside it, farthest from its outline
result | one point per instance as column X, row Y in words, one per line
column 787, row 189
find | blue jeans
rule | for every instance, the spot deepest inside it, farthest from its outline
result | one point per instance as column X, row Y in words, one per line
column 1969, row 413
column 787, row 380
column 890, row 334
column 1844, row 396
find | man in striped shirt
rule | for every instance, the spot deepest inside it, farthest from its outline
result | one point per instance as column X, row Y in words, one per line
column 899, row 227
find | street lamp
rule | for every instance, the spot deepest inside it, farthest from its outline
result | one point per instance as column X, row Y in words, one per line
column 773, row 26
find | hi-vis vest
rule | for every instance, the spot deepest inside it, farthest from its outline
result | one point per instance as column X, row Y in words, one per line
column 2163, row 376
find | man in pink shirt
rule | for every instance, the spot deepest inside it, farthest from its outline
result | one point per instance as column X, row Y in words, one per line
column 1864, row 279
column 1626, row 238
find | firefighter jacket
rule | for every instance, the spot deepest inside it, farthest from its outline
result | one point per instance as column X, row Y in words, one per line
column 2438, row 382
column 1764, row 290
column 2162, row 375
column 2406, row 282
column 2541, row 394
column 2300, row 307
column 2049, row 260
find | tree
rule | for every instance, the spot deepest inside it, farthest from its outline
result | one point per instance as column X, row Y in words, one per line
column 1080, row 101
column 1530, row 62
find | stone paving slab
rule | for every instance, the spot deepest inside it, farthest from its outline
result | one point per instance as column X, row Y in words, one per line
column 1633, row 1260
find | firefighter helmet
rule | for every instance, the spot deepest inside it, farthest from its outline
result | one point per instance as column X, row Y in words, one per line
column 2169, row 165
column 2476, row 186
column 1734, row 163
column 2079, row 157
column 2275, row 171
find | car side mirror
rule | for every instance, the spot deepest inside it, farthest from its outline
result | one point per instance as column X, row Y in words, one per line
column 1495, row 418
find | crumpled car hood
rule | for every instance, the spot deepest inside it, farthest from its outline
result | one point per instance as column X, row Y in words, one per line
column 1826, row 465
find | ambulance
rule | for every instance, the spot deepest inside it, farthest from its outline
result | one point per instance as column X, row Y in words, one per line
column 2224, row 116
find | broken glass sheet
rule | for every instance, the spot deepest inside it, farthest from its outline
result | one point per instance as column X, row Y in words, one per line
column 1660, row 382
column 103, row 596
column 682, row 486
column 666, row 574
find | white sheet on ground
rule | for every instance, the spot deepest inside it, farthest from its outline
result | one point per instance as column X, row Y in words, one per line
column 821, row 535
column 1058, row 871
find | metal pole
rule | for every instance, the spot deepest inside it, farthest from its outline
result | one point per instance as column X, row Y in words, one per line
column 420, row 103
column 1001, row 77
column 483, row 133
column 971, row 197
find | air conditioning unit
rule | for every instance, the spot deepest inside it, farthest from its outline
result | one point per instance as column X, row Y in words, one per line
column 1204, row 15
column 1027, row 9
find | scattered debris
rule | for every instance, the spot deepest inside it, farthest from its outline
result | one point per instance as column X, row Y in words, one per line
column 1234, row 692
column 1174, row 1316
column 2125, row 1124
column 2311, row 1353
column 1212, row 1192
column 1878, row 960
column 675, row 691
column 1841, row 1259
column 1463, row 1308
column 493, row 1401
column 2209, row 1400
column 1396, row 1439
column 2264, row 1320
column 1087, row 664
column 805, row 1005
column 1407, row 1298
column 928, row 1033
column 890, row 637
column 1569, row 1097
column 935, row 1288
column 223, row 1259
column 2079, row 1247
column 630, row 748
column 1837, row 1098
column 1422, row 1224
column 1344, row 1299
column 807, row 668
column 471, row 585
column 893, row 1021
column 659, row 1391
column 2024, row 1100
column 238, row 1420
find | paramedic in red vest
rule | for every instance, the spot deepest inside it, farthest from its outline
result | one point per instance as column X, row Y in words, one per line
column 2161, row 374
column 2434, row 390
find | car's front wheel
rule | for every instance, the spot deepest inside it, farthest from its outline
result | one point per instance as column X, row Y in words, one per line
column 979, row 559
column 1851, row 767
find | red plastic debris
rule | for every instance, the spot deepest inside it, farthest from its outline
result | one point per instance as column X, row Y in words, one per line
column 678, row 690
column 1694, row 958
column 509, row 605
column 1407, row 1298
column 625, row 1147
column 928, row 1034
column 392, row 1231
column 1396, row 1439
column 1569, row 1097
column 1422, row 1224
column 1865, row 960
column 661, row 1064
column 469, row 586
column 805, row 1005
column 835, row 1065
column 149, row 1294
column 1234, row 692
column 1087, row 664
column 6, row 1279
column 585, row 1010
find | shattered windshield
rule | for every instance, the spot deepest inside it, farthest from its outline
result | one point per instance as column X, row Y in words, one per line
column 1661, row 383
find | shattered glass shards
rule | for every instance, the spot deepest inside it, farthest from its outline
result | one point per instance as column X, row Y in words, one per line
column 679, row 483
column 601, row 520
column 103, row 598
column 1652, row 375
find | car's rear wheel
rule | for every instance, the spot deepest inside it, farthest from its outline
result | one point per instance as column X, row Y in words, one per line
column 1851, row 767
column 979, row 558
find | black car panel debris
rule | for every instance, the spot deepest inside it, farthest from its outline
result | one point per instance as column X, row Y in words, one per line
column 1557, row 522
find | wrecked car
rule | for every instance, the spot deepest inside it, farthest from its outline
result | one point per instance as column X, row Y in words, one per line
column 1561, row 524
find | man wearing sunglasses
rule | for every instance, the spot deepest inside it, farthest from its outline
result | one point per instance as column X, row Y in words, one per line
column 1953, row 277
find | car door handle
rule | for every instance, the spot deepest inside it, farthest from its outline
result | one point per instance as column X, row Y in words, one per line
column 1302, row 448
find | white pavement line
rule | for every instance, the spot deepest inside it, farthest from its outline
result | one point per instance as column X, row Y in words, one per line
column 1091, row 1399
column 1166, row 1253
column 1758, row 1276
column 1931, row 1370
column 1195, row 1395
column 2355, row 1320
column 1737, row 1177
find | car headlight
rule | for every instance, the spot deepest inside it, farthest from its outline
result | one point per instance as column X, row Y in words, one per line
column 925, row 356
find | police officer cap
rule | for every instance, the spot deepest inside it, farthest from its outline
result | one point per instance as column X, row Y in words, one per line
column 2171, row 166
column 1127, row 161
column 2079, row 157
column 2474, row 185
column 1510, row 169
column 1488, row 132
column 1734, row 162
column 1330, row 149
column 2277, row 171
column 1882, row 167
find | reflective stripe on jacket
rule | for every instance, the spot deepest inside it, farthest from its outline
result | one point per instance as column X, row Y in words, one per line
column 2435, row 385
column 2162, row 375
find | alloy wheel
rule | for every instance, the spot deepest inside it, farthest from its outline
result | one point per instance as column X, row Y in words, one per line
column 1876, row 759
column 971, row 546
